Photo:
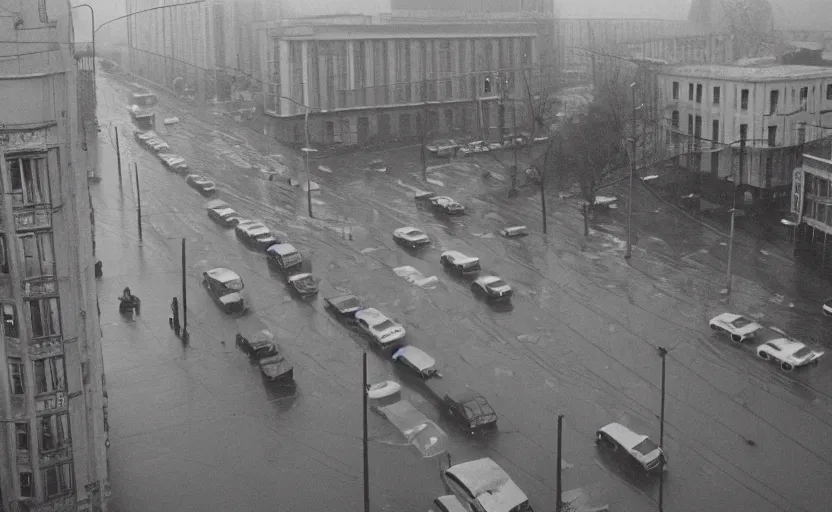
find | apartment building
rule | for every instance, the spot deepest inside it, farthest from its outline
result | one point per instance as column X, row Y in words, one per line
column 811, row 203
column 362, row 79
column 52, row 404
column 707, row 110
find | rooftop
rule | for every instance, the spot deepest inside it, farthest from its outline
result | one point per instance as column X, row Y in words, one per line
column 749, row 74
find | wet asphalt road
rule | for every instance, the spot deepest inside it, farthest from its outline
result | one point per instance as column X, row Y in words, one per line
column 196, row 428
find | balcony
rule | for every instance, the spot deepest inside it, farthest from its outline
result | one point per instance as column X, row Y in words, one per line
column 62, row 454
column 46, row 346
column 32, row 218
column 18, row 406
column 52, row 403
column 37, row 287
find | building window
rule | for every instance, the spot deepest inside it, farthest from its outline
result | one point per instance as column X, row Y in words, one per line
column 29, row 180
column 10, row 326
column 772, row 136
column 53, row 431
column 804, row 95
column 717, row 92
column 774, row 98
column 57, row 479
column 449, row 119
column 674, row 119
column 715, row 130
column 698, row 93
column 22, row 436
column 697, row 129
column 744, row 99
column 690, row 124
column 26, row 489
column 4, row 256
column 715, row 161
column 690, row 92
column 675, row 90
column 49, row 375
column 829, row 92
column 44, row 317
column 37, row 254
column 16, row 376
column 743, row 131
column 404, row 125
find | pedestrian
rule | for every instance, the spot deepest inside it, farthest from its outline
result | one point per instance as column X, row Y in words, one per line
column 174, row 322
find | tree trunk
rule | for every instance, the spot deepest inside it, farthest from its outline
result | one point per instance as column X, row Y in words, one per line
column 585, row 211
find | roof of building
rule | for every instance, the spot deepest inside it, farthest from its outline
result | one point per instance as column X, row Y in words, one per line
column 424, row 29
column 749, row 74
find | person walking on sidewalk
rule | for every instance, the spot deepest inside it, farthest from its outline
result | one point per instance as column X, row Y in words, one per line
column 174, row 322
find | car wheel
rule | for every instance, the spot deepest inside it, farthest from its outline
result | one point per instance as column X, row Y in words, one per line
column 763, row 355
column 736, row 338
column 787, row 366
column 714, row 327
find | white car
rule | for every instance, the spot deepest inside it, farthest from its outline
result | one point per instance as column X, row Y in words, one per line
column 789, row 353
column 447, row 205
column 173, row 162
column 638, row 447
column 492, row 287
column 380, row 328
column 827, row 308
column 201, row 183
column 410, row 237
column 740, row 328
column 463, row 265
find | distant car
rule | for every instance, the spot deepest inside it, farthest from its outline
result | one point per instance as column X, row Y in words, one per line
column 416, row 361
column 225, row 217
column 344, row 307
column 458, row 263
column 447, row 205
column 303, row 284
column 638, row 448
column 173, row 162
column 158, row 145
column 256, row 235
column 142, row 136
column 827, row 308
column 789, row 353
column 201, row 184
column 378, row 166
column 740, row 328
column 383, row 331
column 284, row 257
column 410, row 237
column 470, row 409
column 224, row 286
column 492, row 287
column 443, row 148
column 514, row 231
column 260, row 345
column 217, row 203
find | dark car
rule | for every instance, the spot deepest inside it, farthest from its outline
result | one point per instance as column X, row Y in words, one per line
column 460, row 264
column 492, row 288
column 447, row 205
column 344, row 307
column 276, row 367
column 304, row 285
column 261, row 345
column 470, row 410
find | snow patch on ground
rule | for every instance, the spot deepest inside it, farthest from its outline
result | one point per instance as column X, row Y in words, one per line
column 368, row 250
column 611, row 242
column 436, row 182
column 415, row 277
column 483, row 235
column 324, row 168
column 410, row 187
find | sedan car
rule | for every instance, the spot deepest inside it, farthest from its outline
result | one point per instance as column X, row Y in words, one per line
column 173, row 162
column 416, row 361
column 303, row 285
column 224, row 286
column 256, row 234
column 260, row 345
column 202, row 184
column 447, row 205
column 492, row 287
column 637, row 447
column 344, row 307
column 483, row 485
column 383, row 331
column 455, row 261
column 225, row 217
column 470, row 409
column 275, row 367
column 738, row 327
column 789, row 353
column 443, row 147
column 410, row 237
column 142, row 136
column 158, row 145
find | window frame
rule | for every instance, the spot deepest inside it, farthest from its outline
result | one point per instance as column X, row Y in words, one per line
column 57, row 429
column 21, row 428
column 14, row 318
column 771, row 136
column 690, row 91
column 4, row 255
column 17, row 376
column 717, row 94
column 674, row 91
column 44, row 257
column 25, row 196
column 26, row 476
column 53, row 315
column 829, row 91
column 773, row 101
column 65, row 471
column 52, row 368
column 745, row 96
column 715, row 130
column 699, row 93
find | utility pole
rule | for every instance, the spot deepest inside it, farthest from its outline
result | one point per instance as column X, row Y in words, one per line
column 184, row 298
column 118, row 157
column 423, row 127
column 734, row 212
column 307, row 150
column 559, row 503
column 629, row 252
column 364, row 390
column 542, row 185
column 662, row 354
column 138, row 202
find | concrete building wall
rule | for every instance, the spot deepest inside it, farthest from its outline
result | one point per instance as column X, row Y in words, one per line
column 52, row 446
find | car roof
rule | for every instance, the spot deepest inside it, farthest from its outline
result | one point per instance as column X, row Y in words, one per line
column 407, row 229
column 623, row 435
column 488, row 279
column 298, row 277
column 341, row 299
column 223, row 275
column 281, row 249
column 371, row 315
column 786, row 345
column 489, row 483
column 459, row 257
column 463, row 395
column 216, row 203
column 728, row 317
column 222, row 212
column 416, row 356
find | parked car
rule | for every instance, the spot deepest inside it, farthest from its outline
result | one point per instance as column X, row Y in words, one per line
column 416, row 361
column 277, row 368
column 141, row 136
column 383, row 331
column 484, row 487
column 460, row 264
column 448, row 503
column 256, row 235
column 378, row 165
column 217, row 203
column 789, row 353
column 492, row 287
column 158, row 145
column 174, row 162
column 738, row 327
column 284, row 257
column 225, row 217
column 224, row 286
column 443, row 148
column 447, row 205
column 422, row 433
column 514, row 231
column 470, row 409
column 303, row 284
column 638, row 448
column 424, row 197
column 410, row 237
column 344, row 307
column 201, row 184
column 383, row 390
column 260, row 345
column 827, row 308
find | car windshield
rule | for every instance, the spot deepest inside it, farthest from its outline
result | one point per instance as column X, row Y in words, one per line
column 645, row 447
column 414, row 233
column 383, row 326
column 803, row 352
column 741, row 322
column 497, row 284
column 234, row 285
column 347, row 303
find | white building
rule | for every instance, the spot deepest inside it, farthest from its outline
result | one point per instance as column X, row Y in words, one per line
column 708, row 109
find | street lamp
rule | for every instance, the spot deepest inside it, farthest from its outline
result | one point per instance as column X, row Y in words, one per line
column 629, row 252
column 734, row 212
column 663, row 355
column 306, row 151
column 92, row 29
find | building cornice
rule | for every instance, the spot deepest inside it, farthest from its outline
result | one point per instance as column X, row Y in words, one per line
column 34, row 75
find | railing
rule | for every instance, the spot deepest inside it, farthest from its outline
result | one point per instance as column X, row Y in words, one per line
column 41, row 285
column 62, row 454
column 32, row 217
column 46, row 346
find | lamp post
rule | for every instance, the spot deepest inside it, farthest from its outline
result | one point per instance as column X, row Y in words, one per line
column 92, row 29
column 629, row 252
column 662, row 354
column 734, row 212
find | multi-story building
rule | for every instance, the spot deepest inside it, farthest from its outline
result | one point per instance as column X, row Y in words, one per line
column 707, row 110
column 811, row 203
column 362, row 79
column 52, row 405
